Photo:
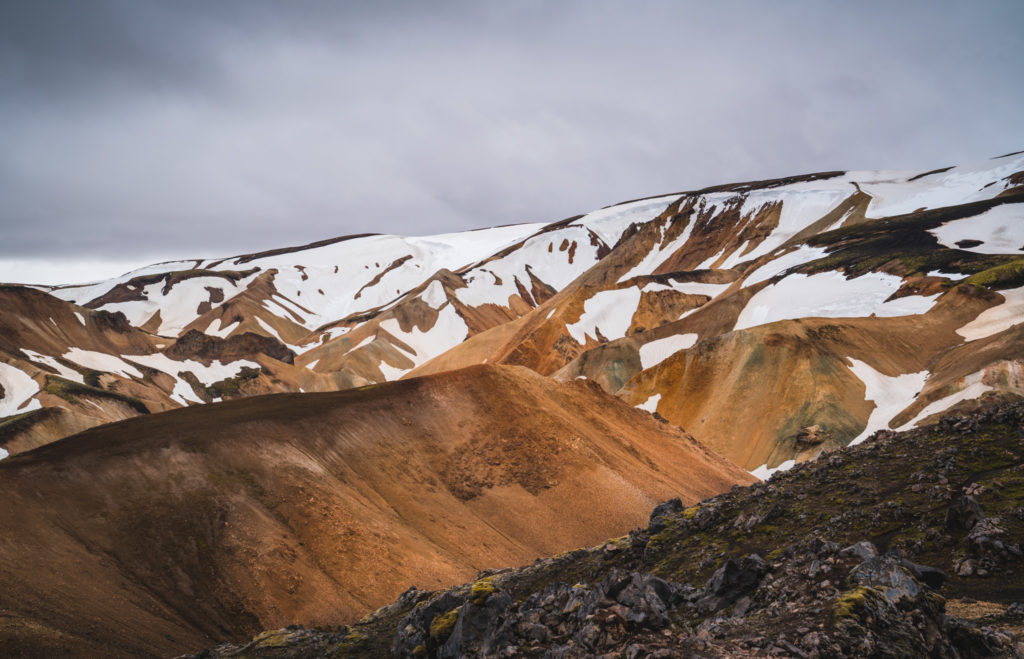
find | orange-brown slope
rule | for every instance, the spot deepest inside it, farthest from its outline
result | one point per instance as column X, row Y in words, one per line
column 178, row 530
column 747, row 393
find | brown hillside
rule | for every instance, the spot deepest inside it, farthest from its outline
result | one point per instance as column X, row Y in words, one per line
column 179, row 530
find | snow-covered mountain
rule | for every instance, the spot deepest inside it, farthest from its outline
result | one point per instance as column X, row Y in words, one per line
column 883, row 297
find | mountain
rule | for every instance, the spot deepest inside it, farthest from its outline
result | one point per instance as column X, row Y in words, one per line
column 909, row 545
column 202, row 449
column 178, row 530
column 889, row 298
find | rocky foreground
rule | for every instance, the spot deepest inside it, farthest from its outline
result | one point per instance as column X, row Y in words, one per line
column 908, row 545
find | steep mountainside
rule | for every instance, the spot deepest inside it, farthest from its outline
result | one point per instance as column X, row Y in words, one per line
column 178, row 530
column 910, row 545
column 888, row 297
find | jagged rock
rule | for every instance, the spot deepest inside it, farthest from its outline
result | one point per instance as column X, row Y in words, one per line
column 812, row 435
column 476, row 625
column 731, row 581
column 963, row 514
column 657, row 519
column 863, row 550
column 887, row 575
column 930, row 576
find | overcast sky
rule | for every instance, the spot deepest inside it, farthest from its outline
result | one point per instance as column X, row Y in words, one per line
column 135, row 131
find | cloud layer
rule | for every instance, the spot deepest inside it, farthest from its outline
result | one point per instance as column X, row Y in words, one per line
column 150, row 130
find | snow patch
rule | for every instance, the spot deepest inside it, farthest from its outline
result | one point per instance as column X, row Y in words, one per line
column 80, row 318
column 608, row 311
column 19, row 388
column 434, row 295
column 101, row 361
column 973, row 388
column 998, row 318
column 955, row 276
column 656, row 256
column 651, row 404
column 801, row 207
column 892, row 194
column 62, row 370
column 891, row 395
column 610, row 223
column 688, row 287
column 657, row 351
column 532, row 257
column 366, row 341
column 223, row 332
column 1000, row 230
column 764, row 472
column 208, row 375
column 448, row 331
column 830, row 295
column 391, row 373
column 797, row 257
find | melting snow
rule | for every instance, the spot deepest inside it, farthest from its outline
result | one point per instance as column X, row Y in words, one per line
column 651, row 404
column 551, row 267
column 1000, row 230
column 764, row 472
column 80, row 318
column 955, row 276
column 216, row 330
column 891, row 395
column 366, row 341
column 448, row 331
column 973, row 388
column 608, row 311
column 610, row 223
column 657, row 351
column 799, row 256
column 100, row 361
column 62, row 370
column 688, row 287
column 830, row 295
column 434, row 295
column 18, row 388
column 311, row 365
column 658, row 255
column 391, row 373
column 207, row 375
column 998, row 318
column 268, row 328
column 802, row 206
column 896, row 195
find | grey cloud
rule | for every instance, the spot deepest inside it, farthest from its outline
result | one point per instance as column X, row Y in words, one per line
column 196, row 128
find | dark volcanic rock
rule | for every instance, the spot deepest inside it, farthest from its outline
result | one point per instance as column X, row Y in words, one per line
column 196, row 345
column 731, row 581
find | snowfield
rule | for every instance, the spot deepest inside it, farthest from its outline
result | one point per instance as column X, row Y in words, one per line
column 830, row 295
column 657, row 351
column 1000, row 230
column 997, row 319
column 609, row 312
column 891, row 395
column 19, row 388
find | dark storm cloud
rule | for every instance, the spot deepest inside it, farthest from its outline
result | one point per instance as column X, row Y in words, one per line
column 203, row 128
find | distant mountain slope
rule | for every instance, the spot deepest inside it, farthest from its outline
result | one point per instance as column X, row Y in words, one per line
column 179, row 530
column 683, row 304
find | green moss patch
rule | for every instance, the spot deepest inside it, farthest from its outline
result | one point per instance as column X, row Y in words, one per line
column 70, row 391
column 442, row 625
